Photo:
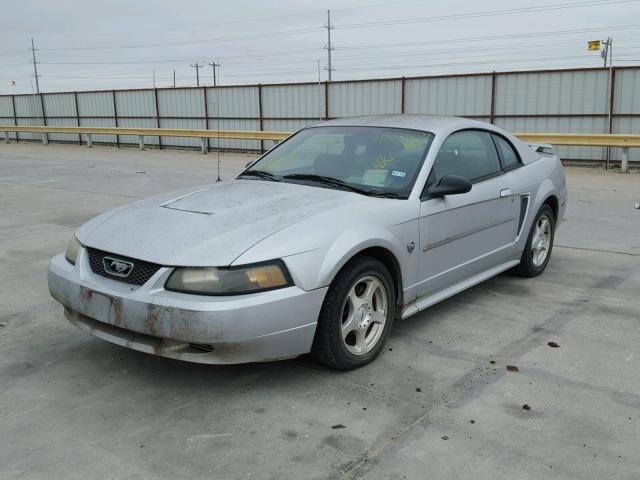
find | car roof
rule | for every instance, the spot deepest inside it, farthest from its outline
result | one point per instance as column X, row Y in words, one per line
column 430, row 123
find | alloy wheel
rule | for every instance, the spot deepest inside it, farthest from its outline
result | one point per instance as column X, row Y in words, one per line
column 364, row 315
column 541, row 240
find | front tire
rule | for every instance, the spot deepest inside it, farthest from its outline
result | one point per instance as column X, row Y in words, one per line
column 357, row 315
column 537, row 251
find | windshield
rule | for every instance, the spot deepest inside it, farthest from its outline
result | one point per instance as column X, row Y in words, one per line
column 367, row 160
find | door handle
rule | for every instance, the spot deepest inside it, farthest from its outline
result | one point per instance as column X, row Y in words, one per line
column 505, row 192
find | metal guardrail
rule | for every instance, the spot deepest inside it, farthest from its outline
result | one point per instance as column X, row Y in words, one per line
column 588, row 140
column 147, row 132
column 570, row 139
column 152, row 132
column 583, row 139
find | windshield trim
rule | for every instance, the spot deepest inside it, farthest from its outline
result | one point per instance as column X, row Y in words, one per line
column 401, row 195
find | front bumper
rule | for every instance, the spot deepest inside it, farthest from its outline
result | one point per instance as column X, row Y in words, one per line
column 237, row 329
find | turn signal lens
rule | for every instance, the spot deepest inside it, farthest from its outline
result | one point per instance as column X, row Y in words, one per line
column 266, row 277
column 229, row 281
column 73, row 249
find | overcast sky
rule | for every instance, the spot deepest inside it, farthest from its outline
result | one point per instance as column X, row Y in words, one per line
column 90, row 44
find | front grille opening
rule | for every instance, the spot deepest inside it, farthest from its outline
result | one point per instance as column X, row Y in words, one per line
column 202, row 347
column 140, row 273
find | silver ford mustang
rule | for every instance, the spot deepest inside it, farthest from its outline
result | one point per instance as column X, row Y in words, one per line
column 317, row 246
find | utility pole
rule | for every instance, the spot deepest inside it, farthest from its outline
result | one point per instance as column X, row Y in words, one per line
column 214, row 65
column 607, row 53
column 35, row 66
column 174, row 78
column 197, row 66
column 154, row 79
column 329, row 27
column 608, row 50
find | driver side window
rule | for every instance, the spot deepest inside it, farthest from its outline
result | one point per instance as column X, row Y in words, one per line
column 470, row 154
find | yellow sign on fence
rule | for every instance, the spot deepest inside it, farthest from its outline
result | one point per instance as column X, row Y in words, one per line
column 593, row 45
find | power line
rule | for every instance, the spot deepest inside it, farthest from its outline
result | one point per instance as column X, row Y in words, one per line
column 367, row 66
column 488, row 13
column 483, row 60
column 189, row 42
column 537, row 8
column 590, row 30
column 508, row 48
column 209, row 25
column 21, row 64
column 489, row 61
column 488, row 37
column 120, row 77
column 174, row 60
column 354, row 58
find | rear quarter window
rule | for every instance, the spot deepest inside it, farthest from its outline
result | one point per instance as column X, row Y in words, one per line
column 510, row 158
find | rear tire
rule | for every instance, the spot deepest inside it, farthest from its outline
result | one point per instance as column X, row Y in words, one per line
column 357, row 315
column 537, row 251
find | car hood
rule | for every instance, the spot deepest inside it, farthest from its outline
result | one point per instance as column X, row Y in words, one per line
column 208, row 225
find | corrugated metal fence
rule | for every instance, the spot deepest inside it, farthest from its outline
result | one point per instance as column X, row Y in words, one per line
column 550, row 101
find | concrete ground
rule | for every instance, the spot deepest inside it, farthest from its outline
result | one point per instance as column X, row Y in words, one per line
column 439, row 404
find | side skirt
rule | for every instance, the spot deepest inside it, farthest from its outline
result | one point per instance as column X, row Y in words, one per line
column 426, row 301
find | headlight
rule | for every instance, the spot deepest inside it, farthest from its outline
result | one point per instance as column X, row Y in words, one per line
column 73, row 249
column 229, row 281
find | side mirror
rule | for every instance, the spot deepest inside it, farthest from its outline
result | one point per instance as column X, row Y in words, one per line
column 450, row 185
column 248, row 164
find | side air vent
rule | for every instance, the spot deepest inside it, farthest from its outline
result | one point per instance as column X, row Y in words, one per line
column 524, row 204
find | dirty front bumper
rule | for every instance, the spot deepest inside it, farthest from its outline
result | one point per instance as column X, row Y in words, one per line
column 236, row 329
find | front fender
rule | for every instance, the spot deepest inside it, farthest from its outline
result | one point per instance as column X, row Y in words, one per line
column 350, row 243
column 315, row 250
column 317, row 268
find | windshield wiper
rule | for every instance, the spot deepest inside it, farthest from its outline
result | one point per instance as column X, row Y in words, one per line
column 260, row 174
column 336, row 182
column 386, row 195
column 331, row 181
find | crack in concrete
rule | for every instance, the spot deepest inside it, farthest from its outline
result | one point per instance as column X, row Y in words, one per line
column 597, row 250
column 71, row 190
column 626, row 399
column 464, row 389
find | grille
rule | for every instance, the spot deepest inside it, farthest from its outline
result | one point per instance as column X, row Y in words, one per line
column 202, row 347
column 140, row 273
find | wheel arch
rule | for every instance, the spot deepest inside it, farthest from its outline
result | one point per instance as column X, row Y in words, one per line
column 553, row 202
column 544, row 194
column 374, row 242
column 388, row 259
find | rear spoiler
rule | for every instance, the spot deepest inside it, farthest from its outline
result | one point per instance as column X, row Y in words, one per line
column 542, row 148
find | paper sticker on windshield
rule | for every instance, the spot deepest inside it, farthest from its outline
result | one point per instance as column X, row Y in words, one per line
column 374, row 178
column 399, row 173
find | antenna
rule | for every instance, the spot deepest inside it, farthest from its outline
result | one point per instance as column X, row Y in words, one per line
column 218, row 130
column 319, row 94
